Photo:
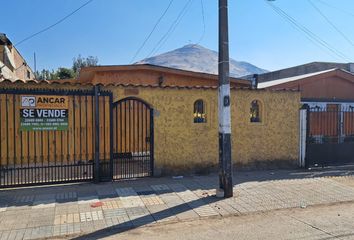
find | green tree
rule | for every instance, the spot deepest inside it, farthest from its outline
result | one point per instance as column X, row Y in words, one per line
column 45, row 74
column 64, row 73
column 81, row 62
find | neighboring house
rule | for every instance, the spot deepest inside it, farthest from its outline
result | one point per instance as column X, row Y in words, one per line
column 320, row 83
column 146, row 74
column 328, row 87
column 12, row 65
column 329, row 94
column 303, row 69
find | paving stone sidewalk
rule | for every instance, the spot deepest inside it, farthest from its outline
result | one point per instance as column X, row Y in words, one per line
column 44, row 212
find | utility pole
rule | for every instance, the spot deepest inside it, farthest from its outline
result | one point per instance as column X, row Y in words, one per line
column 225, row 164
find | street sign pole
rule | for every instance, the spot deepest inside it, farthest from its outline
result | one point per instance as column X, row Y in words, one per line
column 225, row 163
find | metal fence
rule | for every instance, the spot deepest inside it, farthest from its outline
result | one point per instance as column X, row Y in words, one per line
column 330, row 135
column 331, row 125
column 53, row 156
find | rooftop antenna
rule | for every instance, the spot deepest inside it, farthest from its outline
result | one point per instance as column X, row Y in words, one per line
column 35, row 65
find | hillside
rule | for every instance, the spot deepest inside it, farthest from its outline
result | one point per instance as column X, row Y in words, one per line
column 196, row 58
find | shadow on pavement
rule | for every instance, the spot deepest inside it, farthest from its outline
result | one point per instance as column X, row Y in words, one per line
column 35, row 195
column 145, row 220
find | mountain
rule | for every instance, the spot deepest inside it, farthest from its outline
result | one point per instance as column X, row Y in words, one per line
column 196, row 58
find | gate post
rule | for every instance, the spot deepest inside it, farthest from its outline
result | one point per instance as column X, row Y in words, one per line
column 111, row 136
column 303, row 136
column 97, row 136
column 306, row 160
column 152, row 141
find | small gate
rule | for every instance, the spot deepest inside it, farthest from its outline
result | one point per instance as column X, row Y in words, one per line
column 330, row 139
column 133, row 139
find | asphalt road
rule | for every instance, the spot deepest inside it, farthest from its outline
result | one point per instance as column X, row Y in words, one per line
column 321, row 222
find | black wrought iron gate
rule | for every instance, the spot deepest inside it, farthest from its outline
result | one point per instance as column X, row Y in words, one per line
column 133, row 139
column 101, row 140
column 52, row 153
column 330, row 135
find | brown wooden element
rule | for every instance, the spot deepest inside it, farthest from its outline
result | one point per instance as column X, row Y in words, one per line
column 151, row 75
column 330, row 140
column 30, row 157
column 348, row 124
column 325, row 122
column 332, row 85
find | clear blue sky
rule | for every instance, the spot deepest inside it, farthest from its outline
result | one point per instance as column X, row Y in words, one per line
column 113, row 30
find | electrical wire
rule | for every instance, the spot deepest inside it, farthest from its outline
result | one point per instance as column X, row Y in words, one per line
column 53, row 25
column 174, row 28
column 23, row 64
column 203, row 18
column 331, row 23
column 171, row 29
column 309, row 34
column 335, row 7
column 293, row 24
column 151, row 32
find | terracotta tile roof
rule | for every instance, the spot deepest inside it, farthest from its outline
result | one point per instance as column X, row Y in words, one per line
column 78, row 84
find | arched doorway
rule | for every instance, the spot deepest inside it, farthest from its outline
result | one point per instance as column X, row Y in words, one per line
column 133, row 139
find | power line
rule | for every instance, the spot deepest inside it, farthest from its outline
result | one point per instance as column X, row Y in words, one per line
column 23, row 64
column 53, row 25
column 173, row 26
column 151, row 32
column 295, row 25
column 309, row 34
column 203, row 18
column 335, row 7
column 331, row 23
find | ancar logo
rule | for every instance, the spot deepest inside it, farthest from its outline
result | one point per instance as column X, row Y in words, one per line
column 27, row 101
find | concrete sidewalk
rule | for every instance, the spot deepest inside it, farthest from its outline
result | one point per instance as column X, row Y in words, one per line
column 323, row 222
column 92, row 210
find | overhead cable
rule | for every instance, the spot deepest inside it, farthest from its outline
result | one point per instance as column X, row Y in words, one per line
column 171, row 29
column 331, row 23
column 308, row 33
column 151, row 32
column 54, row 24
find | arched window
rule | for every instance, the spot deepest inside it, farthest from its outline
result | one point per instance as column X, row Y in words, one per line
column 255, row 111
column 199, row 112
